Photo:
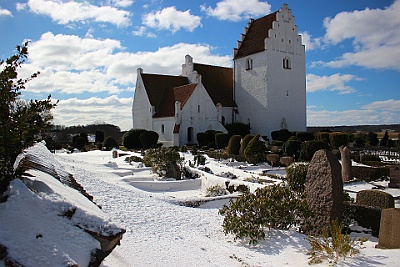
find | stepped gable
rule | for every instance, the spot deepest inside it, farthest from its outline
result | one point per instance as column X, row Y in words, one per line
column 253, row 41
column 218, row 81
column 157, row 85
column 171, row 95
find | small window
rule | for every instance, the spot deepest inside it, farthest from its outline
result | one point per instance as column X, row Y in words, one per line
column 249, row 64
column 198, row 108
column 190, row 134
column 223, row 120
column 162, row 128
column 286, row 63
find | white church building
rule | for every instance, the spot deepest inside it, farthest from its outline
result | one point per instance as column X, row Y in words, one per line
column 266, row 87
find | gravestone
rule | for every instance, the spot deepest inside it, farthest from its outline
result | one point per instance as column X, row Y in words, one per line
column 389, row 232
column 394, row 177
column 347, row 174
column 375, row 198
column 324, row 192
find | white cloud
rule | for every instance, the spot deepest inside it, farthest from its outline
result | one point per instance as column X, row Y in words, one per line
column 387, row 105
column 122, row 3
column 171, row 19
column 350, row 117
column 335, row 82
column 112, row 110
column 236, row 10
column 82, row 12
column 5, row 12
column 142, row 31
column 310, row 42
column 375, row 35
column 73, row 65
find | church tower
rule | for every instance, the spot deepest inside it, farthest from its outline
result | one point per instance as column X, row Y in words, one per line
column 270, row 75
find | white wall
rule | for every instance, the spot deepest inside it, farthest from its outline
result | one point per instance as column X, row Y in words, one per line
column 142, row 111
column 202, row 121
column 268, row 92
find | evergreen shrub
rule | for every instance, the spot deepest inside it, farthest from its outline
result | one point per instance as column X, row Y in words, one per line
column 308, row 149
column 245, row 142
column 110, row 143
column 148, row 139
column 305, row 136
column 296, row 175
column 221, row 140
column 238, row 128
column 234, row 145
column 131, row 139
column 338, row 139
column 274, row 206
column 292, row 148
column 281, row 135
column 255, row 151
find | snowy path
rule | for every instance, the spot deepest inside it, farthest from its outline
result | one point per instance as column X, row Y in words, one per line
column 162, row 233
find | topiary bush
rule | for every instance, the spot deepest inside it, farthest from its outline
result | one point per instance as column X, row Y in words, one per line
column 281, row 135
column 255, row 151
column 79, row 142
column 308, row 149
column 323, row 136
column 234, row 145
column 338, row 139
column 110, row 143
column 274, row 206
column 245, row 142
column 131, row 139
column 148, row 139
column 221, row 140
column 238, row 128
column 296, row 176
column 292, row 148
column 305, row 136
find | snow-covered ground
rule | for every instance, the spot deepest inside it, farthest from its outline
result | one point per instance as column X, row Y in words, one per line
column 160, row 232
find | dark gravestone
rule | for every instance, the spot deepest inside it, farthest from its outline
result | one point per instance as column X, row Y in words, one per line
column 394, row 177
column 389, row 233
column 324, row 192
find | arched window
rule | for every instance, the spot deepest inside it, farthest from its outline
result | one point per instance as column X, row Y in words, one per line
column 249, row 64
column 286, row 63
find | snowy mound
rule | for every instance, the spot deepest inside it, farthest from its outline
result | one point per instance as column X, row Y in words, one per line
column 45, row 222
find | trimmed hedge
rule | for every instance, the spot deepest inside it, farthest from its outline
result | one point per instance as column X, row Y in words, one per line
column 369, row 173
column 148, row 139
column 365, row 216
column 255, row 151
column 131, row 139
column 245, row 142
column 234, row 145
column 281, row 135
column 110, row 143
column 338, row 139
column 221, row 140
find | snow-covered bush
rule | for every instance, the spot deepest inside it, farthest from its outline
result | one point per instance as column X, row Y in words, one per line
column 296, row 175
column 215, row 190
column 164, row 161
column 274, row 206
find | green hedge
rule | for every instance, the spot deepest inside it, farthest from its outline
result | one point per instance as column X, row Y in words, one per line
column 369, row 173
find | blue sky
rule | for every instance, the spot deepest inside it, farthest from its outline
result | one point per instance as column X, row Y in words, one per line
column 88, row 52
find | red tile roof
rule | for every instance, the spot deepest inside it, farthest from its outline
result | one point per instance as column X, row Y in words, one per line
column 253, row 41
column 156, row 86
column 164, row 90
column 218, row 82
column 171, row 95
